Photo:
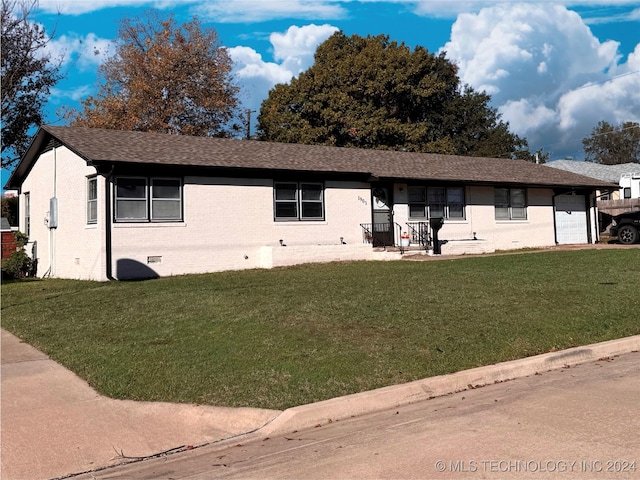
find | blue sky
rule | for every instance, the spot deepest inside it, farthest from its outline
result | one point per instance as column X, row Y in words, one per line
column 553, row 69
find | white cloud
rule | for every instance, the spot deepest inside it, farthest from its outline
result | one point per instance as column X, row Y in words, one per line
column 250, row 65
column 293, row 53
column 614, row 17
column 79, row 7
column 214, row 10
column 452, row 8
column 80, row 52
column 295, row 48
column 526, row 116
column 260, row 11
column 615, row 99
column 75, row 94
column 533, row 60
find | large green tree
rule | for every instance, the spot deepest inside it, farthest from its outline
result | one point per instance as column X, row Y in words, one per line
column 613, row 144
column 166, row 78
column 375, row 93
column 28, row 73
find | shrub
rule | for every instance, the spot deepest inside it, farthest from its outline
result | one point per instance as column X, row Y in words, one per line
column 19, row 264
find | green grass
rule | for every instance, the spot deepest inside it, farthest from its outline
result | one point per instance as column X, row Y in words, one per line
column 284, row 337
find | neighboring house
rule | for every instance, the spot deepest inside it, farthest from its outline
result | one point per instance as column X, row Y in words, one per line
column 630, row 184
column 108, row 204
column 624, row 198
column 8, row 240
column 626, row 175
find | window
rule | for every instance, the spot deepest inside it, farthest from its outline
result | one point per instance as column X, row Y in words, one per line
column 27, row 214
column 298, row 201
column 436, row 203
column 166, row 199
column 131, row 199
column 626, row 192
column 455, row 202
column 510, row 203
column 417, row 202
column 445, row 202
column 139, row 200
column 92, row 200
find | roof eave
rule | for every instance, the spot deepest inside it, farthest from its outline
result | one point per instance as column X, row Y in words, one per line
column 223, row 170
column 493, row 182
column 29, row 158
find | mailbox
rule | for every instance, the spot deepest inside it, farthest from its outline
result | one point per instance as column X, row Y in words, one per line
column 436, row 224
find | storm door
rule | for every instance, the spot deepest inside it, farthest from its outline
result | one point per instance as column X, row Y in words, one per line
column 382, row 217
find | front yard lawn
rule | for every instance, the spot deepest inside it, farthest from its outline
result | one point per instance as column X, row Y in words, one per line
column 285, row 337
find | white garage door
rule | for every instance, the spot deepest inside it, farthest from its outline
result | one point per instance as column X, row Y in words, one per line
column 571, row 219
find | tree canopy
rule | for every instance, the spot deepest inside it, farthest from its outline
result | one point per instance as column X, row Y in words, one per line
column 28, row 73
column 375, row 93
column 164, row 78
column 613, row 144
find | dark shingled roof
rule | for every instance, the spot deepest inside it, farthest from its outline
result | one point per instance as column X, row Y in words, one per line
column 115, row 146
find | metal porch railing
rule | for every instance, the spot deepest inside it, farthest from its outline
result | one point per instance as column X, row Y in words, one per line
column 382, row 234
column 420, row 234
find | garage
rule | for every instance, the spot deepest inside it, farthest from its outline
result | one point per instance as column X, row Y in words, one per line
column 571, row 219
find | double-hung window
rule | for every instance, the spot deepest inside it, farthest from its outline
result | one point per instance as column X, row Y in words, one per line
column 92, row 200
column 417, row 202
column 294, row 201
column 166, row 199
column 510, row 203
column 432, row 202
column 141, row 199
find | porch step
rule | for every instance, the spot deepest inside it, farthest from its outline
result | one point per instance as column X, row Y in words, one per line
column 407, row 250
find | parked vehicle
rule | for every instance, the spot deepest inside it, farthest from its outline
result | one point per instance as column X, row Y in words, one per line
column 626, row 227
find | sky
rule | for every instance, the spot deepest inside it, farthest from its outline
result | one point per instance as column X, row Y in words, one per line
column 553, row 69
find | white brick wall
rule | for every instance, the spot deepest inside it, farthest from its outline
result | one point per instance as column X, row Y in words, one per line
column 536, row 231
column 73, row 249
column 228, row 225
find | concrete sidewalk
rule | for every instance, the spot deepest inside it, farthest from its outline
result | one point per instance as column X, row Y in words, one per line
column 54, row 424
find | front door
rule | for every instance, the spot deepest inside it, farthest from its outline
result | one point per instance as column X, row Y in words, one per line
column 382, row 217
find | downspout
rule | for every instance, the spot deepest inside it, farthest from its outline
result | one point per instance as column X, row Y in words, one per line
column 52, row 238
column 555, row 225
column 107, row 215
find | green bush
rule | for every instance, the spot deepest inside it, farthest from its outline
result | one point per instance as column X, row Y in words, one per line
column 19, row 264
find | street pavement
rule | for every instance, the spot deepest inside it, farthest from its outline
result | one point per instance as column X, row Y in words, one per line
column 54, row 425
column 576, row 422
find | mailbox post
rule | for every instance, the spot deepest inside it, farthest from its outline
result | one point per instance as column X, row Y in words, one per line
column 436, row 224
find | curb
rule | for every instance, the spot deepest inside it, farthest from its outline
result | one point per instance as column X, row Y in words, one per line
column 335, row 409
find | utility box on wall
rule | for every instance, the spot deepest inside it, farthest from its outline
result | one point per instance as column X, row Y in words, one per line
column 53, row 212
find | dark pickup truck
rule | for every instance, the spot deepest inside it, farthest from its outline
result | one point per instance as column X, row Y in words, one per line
column 626, row 227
